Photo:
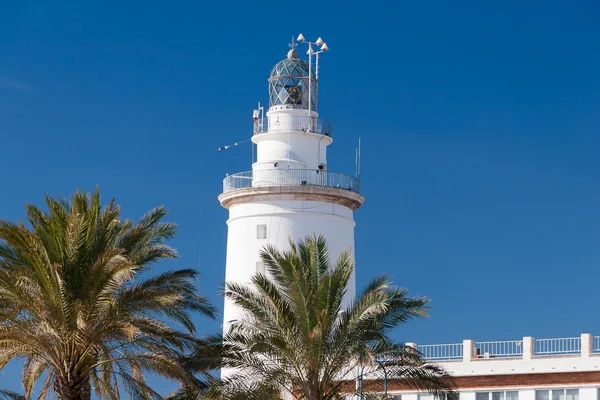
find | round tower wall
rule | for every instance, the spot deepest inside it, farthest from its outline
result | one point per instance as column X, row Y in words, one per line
column 290, row 149
column 252, row 226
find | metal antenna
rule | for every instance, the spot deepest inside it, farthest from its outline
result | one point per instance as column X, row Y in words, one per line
column 358, row 174
column 356, row 162
column 322, row 47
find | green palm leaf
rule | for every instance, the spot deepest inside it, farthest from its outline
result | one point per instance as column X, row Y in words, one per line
column 8, row 395
column 302, row 334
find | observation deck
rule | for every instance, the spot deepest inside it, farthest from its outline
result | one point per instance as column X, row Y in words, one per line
column 292, row 123
column 295, row 184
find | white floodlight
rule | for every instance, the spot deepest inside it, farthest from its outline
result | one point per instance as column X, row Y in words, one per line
column 310, row 51
column 301, row 38
column 319, row 41
column 324, row 47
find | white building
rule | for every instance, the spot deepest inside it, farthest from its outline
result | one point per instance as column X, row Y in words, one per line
column 291, row 193
column 525, row 369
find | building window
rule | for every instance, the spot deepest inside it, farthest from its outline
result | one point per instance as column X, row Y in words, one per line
column 429, row 397
column 557, row 394
column 512, row 395
column 260, row 267
column 261, row 231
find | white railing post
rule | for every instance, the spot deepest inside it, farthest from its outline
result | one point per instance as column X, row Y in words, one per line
column 528, row 347
column 468, row 350
column 412, row 345
column 586, row 345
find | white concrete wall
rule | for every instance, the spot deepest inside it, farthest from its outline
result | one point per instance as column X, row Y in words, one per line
column 527, row 394
column 286, row 145
column 284, row 219
column 590, row 393
column 539, row 364
column 298, row 149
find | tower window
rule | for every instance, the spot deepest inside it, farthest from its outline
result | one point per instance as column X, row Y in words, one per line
column 260, row 267
column 261, row 231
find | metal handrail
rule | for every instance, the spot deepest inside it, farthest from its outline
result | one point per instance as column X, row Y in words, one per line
column 499, row 349
column 596, row 344
column 439, row 352
column 293, row 123
column 557, row 346
column 570, row 346
column 291, row 177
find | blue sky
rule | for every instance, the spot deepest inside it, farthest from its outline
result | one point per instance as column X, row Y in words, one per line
column 479, row 124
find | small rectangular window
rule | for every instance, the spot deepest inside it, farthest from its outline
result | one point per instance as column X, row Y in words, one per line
column 261, row 231
column 512, row 395
column 542, row 395
column 572, row 394
column 260, row 267
column 558, row 395
column 431, row 397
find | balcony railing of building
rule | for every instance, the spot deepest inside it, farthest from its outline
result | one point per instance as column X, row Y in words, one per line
column 292, row 123
column 559, row 346
column 290, row 177
column 452, row 351
column 504, row 349
column 584, row 346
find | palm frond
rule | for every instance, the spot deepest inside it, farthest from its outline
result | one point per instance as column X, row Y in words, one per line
column 9, row 395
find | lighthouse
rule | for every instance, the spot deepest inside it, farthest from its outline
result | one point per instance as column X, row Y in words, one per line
column 290, row 192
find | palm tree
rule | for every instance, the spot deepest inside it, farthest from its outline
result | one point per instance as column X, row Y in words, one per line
column 78, row 304
column 298, row 335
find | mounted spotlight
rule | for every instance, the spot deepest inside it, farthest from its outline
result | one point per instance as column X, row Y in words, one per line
column 312, row 52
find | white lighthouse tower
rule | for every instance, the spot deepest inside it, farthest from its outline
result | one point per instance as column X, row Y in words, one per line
column 290, row 192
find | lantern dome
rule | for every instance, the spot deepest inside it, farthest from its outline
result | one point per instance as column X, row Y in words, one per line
column 289, row 84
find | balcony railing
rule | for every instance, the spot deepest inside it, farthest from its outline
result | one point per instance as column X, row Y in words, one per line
column 596, row 344
column 557, row 346
column 503, row 349
column 292, row 123
column 528, row 348
column 432, row 352
column 291, row 177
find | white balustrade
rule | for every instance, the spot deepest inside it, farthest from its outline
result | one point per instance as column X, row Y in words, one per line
column 504, row 349
column 442, row 352
column 596, row 344
column 557, row 346
column 584, row 346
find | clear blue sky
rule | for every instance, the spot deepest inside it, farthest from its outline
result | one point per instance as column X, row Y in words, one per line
column 479, row 123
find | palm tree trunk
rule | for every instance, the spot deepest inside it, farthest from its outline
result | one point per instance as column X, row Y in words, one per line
column 76, row 388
